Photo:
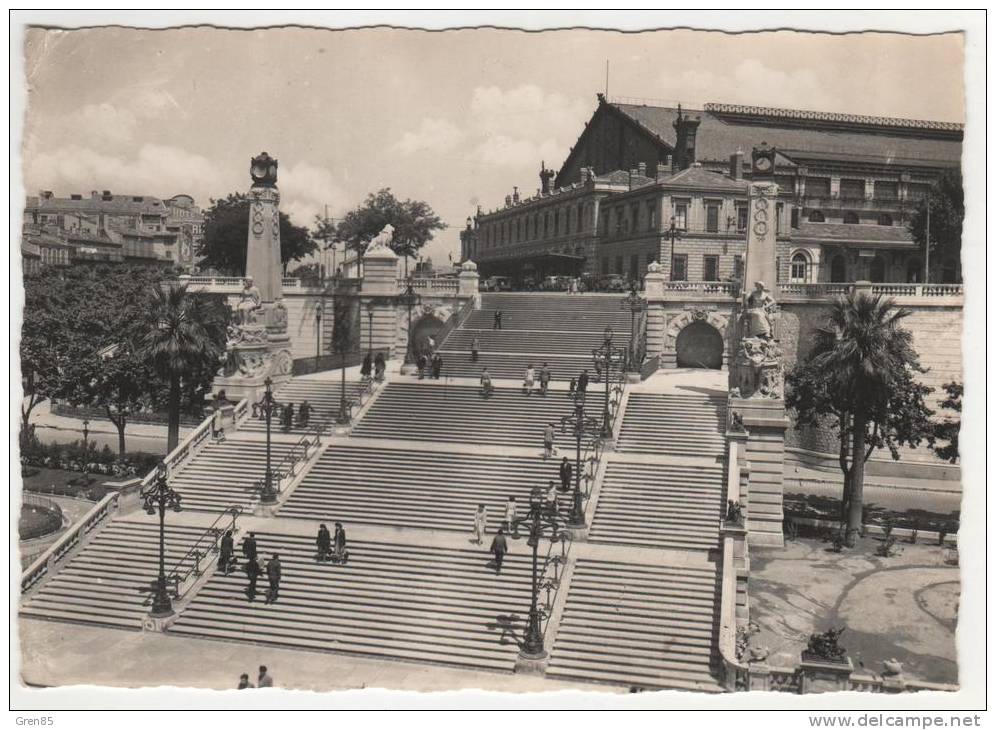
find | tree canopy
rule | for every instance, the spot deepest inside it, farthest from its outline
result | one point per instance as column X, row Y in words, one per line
column 946, row 202
column 861, row 376
column 947, row 429
column 414, row 223
column 226, row 231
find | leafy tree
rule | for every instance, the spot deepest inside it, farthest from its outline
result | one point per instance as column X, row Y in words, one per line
column 183, row 336
column 861, row 376
column 413, row 221
column 946, row 202
column 226, row 231
column 947, row 430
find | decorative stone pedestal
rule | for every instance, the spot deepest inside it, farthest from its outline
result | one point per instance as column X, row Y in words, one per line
column 409, row 369
column 531, row 665
column 265, row 510
column 578, row 534
column 633, row 378
column 158, row 623
column 822, row 676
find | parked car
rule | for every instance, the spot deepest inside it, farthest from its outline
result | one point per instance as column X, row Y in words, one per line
column 612, row 282
column 496, row 283
column 555, row 283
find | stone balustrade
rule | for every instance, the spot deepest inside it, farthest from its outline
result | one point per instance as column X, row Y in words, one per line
column 440, row 287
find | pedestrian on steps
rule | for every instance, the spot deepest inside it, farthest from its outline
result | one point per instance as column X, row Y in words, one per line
column 583, row 383
column 324, row 543
column 339, row 552
column 288, row 417
column 498, row 316
column 510, row 510
column 244, row 682
column 253, row 571
column 573, row 387
column 566, row 472
column 226, row 552
column 304, row 413
column 273, row 577
column 480, row 523
column 551, row 496
column 265, row 680
column 437, row 366
column 548, row 436
column 475, row 346
column 499, row 548
column 486, row 388
column 529, row 380
column 423, row 363
column 367, row 367
column 249, row 549
column 544, row 378
column 380, row 365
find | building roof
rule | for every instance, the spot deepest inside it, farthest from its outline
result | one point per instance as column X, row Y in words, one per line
column 853, row 233
column 805, row 135
column 697, row 176
column 115, row 204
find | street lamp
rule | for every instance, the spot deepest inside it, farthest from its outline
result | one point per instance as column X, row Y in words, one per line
column 674, row 232
column 606, row 356
column 86, row 435
column 318, row 333
column 339, row 343
column 371, row 306
column 409, row 298
column 159, row 497
column 580, row 426
column 538, row 518
column 635, row 304
column 266, row 407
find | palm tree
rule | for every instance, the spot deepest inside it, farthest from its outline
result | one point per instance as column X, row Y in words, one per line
column 860, row 371
column 183, row 332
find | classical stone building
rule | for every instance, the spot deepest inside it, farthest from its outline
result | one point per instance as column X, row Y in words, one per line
column 848, row 184
column 186, row 221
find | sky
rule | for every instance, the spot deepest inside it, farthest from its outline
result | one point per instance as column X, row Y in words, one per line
column 454, row 118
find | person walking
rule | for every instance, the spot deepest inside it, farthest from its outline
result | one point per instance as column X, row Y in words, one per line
column 339, row 552
column 510, row 511
column 265, row 680
column 432, row 344
column 498, row 316
column 304, row 413
column 551, row 496
column 544, row 378
column 423, row 363
column 573, row 387
column 566, row 472
column 380, row 365
column 288, row 417
column 583, row 382
column 486, row 388
column 367, row 367
column 548, row 437
column 253, row 571
column 499, row 548
column 437, row 366
column 226, row 552
column 324, row 543
column 249, row 549
column 529, row 380
column 480, row 523
column 273, row 577
column 475, row 346
column 244, row 682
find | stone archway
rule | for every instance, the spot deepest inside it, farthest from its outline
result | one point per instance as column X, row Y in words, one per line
column 699, row 345
column 428, row 325
column 698, row 337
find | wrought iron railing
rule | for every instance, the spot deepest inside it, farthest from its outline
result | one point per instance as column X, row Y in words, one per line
column 551, row 579
column 299, row 452
column 207, row 543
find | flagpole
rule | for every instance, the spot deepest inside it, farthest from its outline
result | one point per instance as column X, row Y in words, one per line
column 926, row 263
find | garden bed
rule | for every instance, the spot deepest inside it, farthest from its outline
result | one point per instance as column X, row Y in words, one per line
column 38, row 521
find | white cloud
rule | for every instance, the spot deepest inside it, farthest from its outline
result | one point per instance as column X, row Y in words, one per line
column 500, row 150
column 306, row 189
column 527, row 111
column 749, row 82
column 433, row 135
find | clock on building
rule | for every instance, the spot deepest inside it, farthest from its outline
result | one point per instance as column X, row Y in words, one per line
column 263, row 170
column 763, row 158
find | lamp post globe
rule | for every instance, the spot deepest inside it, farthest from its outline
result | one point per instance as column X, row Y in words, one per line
column 158, row 498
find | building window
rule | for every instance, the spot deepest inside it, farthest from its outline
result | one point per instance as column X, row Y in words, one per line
column 876, row 269
column 634, row 267
column 817, row 187
column 738, row 267
column 605, row 223
column 816, row 216
column 795, row 217
column 651, row 215
column 679, row 267
column 620, row 216
column 580, row 225
column 681, row 216
column 712, row 218
column 605, row 265
column 742, row 213
column 886, row 190
column 850, row 217
column 838, row 269
column 634, row 222
column 619, row 265
column 914, row 271
column 710, row 268
column 799, row 268
column 884, row 219
column 779, row 212
column 853, row 189
column 556, row 222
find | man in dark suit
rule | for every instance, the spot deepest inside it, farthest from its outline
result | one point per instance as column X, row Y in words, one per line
column 499, row 547
column 273, row 576
column 566, row 472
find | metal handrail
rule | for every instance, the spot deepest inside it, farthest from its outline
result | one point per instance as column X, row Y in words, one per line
column 554, row 583
column 212, row 530
column 291, row 458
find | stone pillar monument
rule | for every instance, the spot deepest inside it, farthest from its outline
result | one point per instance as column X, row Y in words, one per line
column 757, row 373
column 258, row 342
column 653, row 292
column 379, row 292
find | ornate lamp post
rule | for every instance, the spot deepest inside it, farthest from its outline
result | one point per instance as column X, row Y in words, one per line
column 318, row 332
column 537, row 519
column 607, row 355
column 86, row 436
column 159, row 497
column 674, row 232
column 371, row 306
column 579, row 426
column 635, row 304
column 265, row 408
column 409, row 298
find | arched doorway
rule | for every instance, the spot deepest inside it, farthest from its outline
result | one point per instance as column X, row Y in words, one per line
column 699, row 345
column 428, row 326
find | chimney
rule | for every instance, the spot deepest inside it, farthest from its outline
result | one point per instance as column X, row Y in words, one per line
column 106, row 195
column 664, row 168
column 584, row 175
column 515, row 194
column 545, row 177
column 684, row 148
column 94, row 194
column 45, row 195
column 641, row 168
column 508, row 201
column 737, row 165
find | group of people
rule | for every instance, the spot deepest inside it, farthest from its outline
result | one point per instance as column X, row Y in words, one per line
column 529, row 382
column 331, row 548
column 373, row 365
column 287, row 415
column 429, row 361
column 250, row 551
column 264, row 680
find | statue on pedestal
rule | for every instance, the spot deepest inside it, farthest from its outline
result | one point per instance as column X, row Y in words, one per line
column 758, row 364
column 759, row 311
column 250, row 300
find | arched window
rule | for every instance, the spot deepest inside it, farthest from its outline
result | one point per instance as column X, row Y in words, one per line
column 817, row 216
column 884, row 219
column 838, row 269
column 850, row 217
column 876, row 269
column 914, row 271
column 799, row 268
